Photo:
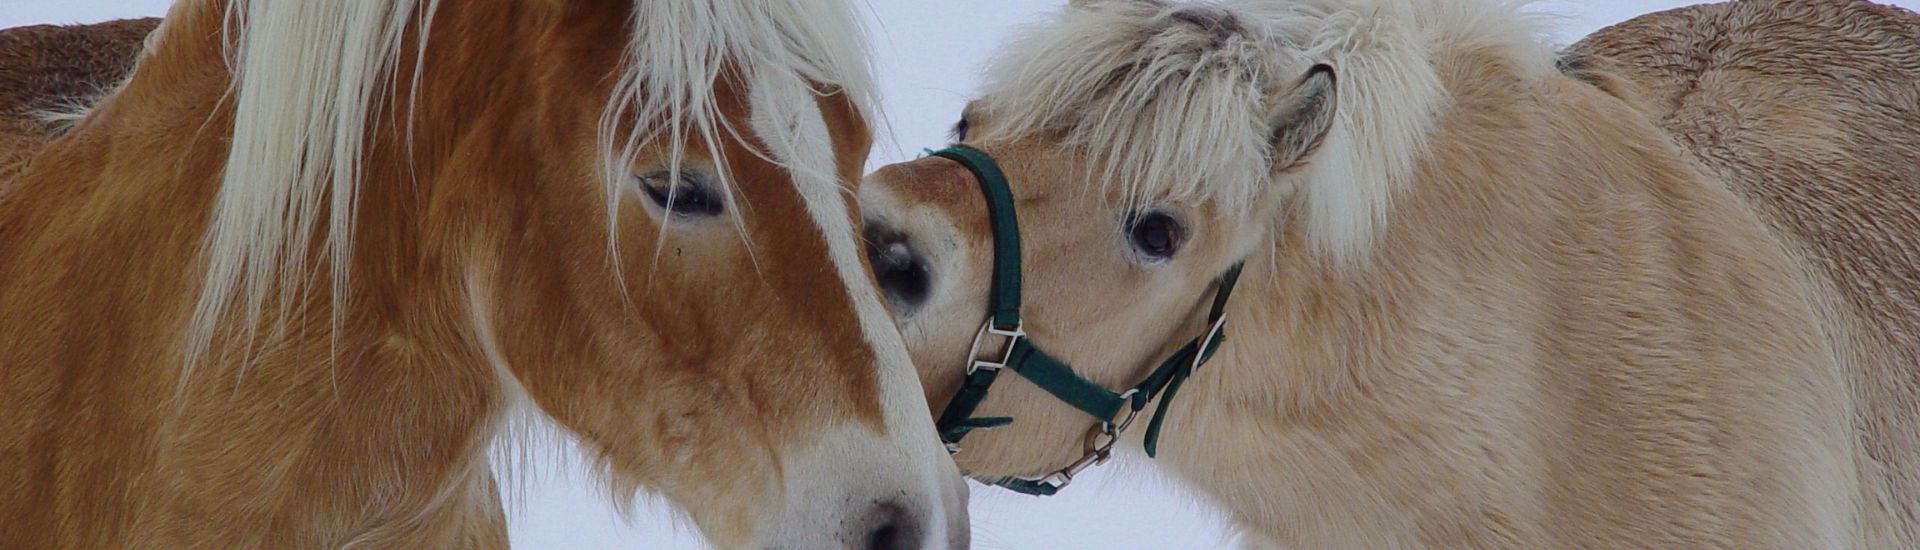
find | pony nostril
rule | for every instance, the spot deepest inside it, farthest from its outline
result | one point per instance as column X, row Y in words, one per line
column 897, row 530
column 901, row 272
column 889, row 537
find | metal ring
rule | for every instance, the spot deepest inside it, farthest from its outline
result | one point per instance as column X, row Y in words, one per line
column 1126, row 421
column 1102, row 438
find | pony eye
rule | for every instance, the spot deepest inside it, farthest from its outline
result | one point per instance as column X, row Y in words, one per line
column 1155, row 235
column 960, row 129
column 683, row 194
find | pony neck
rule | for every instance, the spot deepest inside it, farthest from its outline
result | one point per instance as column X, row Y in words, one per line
column 1436, row 364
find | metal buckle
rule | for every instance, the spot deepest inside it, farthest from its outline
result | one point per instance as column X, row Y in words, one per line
column 1006, row 354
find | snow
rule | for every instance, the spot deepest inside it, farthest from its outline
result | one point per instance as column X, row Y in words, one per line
column 928, row 55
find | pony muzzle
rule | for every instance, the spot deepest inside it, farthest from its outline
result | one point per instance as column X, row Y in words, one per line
column 847, row 489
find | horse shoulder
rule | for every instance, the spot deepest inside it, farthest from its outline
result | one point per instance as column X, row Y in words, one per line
column 1807, row 111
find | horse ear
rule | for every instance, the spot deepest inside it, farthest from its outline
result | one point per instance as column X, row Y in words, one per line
column 1302, row 119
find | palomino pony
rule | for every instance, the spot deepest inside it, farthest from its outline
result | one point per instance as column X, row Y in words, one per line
column 291, row 283
column 1484, row 304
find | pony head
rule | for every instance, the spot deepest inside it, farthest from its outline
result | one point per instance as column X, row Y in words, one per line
column 633, row 219
column 1150, row 148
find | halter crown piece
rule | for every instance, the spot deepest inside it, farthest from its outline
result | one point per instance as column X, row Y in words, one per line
column 1019, row 354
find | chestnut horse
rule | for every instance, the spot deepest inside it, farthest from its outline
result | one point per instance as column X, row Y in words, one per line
column 294, row 281
column 1484, row 304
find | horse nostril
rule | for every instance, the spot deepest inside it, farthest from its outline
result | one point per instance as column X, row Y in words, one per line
column 896, row 531
column 903, row 275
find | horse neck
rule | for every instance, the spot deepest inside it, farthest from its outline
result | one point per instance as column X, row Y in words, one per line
column 396, row 407
column 1538, row 196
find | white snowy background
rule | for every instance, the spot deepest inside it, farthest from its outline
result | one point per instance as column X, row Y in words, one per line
column 928, row 53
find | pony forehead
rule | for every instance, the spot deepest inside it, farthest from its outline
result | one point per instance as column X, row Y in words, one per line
column 787, row 53
column 678, row 48
column 1173, row 100
column 784, row 53
column 1165, row 101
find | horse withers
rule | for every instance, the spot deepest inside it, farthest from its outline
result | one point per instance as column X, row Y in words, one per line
column 300, row 277
column 1479, row 303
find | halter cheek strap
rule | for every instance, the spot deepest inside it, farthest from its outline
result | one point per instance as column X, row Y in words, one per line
column 1020, row 355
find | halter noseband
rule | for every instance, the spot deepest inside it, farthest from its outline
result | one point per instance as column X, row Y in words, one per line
column 1019, row 355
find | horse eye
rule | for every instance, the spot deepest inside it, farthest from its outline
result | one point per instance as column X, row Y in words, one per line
column 685, row 194
column 960, row 129
column 1155, row 235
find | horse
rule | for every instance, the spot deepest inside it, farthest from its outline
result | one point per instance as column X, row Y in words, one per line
column 315, row 270
column 1812, row 122
column 1481, row 301
column 46, row 69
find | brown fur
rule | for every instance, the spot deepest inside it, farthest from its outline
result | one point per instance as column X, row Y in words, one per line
column 1572, row 333
column 47, row 67
column 720, row 363
column 41, row 67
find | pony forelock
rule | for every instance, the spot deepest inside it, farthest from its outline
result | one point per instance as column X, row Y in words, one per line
column 1172, row 101
column 1162, row 109
column 679, row 55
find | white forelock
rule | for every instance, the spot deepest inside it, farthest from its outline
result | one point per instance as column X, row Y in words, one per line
column 676, row 60
column 1171, row 101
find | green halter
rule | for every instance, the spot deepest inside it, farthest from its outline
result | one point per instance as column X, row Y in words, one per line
column 1021, row 356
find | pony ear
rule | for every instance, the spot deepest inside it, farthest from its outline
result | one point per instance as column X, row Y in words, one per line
column 1303, row 117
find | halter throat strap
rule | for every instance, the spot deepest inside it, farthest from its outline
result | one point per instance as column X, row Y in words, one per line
column 1020, row 355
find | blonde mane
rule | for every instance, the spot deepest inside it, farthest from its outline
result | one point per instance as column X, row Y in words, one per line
column 309, row 79
column 306, row 79
column 1172, row 101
